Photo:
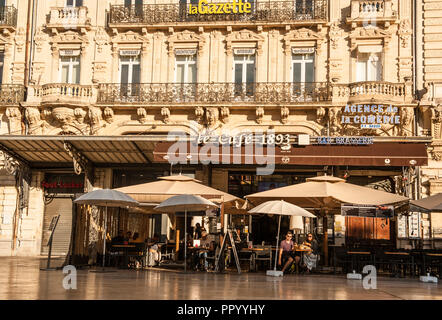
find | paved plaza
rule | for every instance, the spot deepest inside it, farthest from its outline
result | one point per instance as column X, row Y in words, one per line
column 21, row 278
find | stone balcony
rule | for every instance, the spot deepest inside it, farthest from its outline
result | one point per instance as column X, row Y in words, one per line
column 365, row 11
column 8, row 19
column 378, row 92
column 11, row 94
column 69, row 18
column 262, row 11
column 62, row 94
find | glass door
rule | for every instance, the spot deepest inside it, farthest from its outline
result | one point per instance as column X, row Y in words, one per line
column 244, row 74
column 303, row 68
column 130, row 72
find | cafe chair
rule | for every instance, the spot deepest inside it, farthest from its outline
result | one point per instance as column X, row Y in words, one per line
column 263, row 257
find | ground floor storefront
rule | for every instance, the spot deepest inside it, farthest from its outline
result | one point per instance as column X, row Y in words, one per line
column 21, row 278
column 31, row 198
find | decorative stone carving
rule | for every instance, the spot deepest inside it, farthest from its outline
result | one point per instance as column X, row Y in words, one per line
column 285, row 112
column 108, row 115
column 212, row 116
column 407, row 119
column 165, row 114
column 142, row 115
column 186, row 36
column 360, row 35
column 18, row 71
column 38, row 69
column 333, row 117
column 302, row 34
column 436, row 119
column 225, row 114
column 79, row 114
column 405, row 32
column 34, row 120
column 259, row 114
column 320, row 115
column 335, row 34
column 65, row 117
column 244, row 36
column 20, row 39
column 95, row 118
column 129, row 37
column 14, row 118
column 40, row 38
column 99, row 72
column 199, row 113
column 101, row 38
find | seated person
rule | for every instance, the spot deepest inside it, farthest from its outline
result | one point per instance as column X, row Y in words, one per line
column 287, row 252
column 312, row 257
column 128, row 237
column 197, row 232
column 154, row 255
column 240, row 239
column 119, row 238
column 207, row 244
column 136, row 238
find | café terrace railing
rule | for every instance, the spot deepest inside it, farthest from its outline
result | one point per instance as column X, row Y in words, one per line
column 11, row 94
column 213, row 93
column 8, row 16
column 265, row 10
column 261, row 92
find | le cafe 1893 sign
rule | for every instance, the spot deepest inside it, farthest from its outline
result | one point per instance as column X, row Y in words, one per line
column 280, row 139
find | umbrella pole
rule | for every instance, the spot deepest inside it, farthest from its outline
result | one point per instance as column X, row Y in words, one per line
column 277, row 243
column 104, row 236
column 185, row 240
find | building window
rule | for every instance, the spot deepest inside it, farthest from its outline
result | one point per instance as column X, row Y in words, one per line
column 185, row 68
column 135, row 7
column 74, row 3
column 304, row 7
column 303, row 73
column 369, row 67
column 70, row 69
column 2, row 3
column 130, row 71
column 244, row 73
column 2, row 59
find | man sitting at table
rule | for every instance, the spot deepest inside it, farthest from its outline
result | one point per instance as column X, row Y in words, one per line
column 287, row 253
column 206, row 244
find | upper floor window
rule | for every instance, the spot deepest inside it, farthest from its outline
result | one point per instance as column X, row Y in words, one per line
column 74, row 3
column 70, row 68
column 135, row 7
column 130, row 69
column 2, row 58
column 304, row 7
column 185, row 66
column 2, row 3
column 130, row 72
column 303, row 66
column 244, row 71
column 369, row 67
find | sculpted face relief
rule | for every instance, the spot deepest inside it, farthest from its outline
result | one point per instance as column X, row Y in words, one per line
column 220, row 8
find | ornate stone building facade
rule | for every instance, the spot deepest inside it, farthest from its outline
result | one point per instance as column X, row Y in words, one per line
column 98, row 73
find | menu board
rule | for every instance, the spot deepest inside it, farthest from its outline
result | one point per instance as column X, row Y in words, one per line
column 414, row 225
column 367, row 211
column 401, row 226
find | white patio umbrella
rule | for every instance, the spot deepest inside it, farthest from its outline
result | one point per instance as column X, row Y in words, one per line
column 185, row 202
column 281, row 208
column 106, row 198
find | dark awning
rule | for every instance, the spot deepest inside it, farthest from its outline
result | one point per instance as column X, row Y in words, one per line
column 433, row 203
column 378, row 154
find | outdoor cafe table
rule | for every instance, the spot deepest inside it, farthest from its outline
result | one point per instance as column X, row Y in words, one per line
column 430, row 256
column 398, row 257
column 125, row 248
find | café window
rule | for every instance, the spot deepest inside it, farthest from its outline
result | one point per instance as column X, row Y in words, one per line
column 369, row 67
column 2, row 59
column 244, row 71
column 185, row 66
column 70, row 66
column 130, row 71
column 74, row 3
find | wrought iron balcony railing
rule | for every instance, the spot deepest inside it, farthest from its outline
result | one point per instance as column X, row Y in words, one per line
column 213, row 93
column 268, row 11
column 8, row 16
column 11, row 94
